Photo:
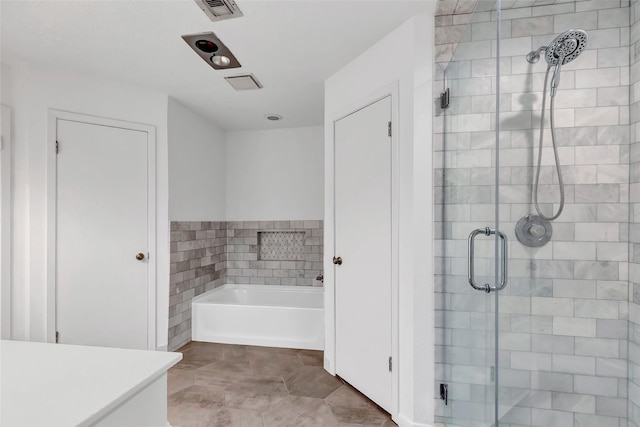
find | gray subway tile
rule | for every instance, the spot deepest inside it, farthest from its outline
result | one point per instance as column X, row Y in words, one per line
column 598, row 386
column 596, row 270
column 571, row 402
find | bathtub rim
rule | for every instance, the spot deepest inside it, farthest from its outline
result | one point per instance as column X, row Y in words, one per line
column 243, row 286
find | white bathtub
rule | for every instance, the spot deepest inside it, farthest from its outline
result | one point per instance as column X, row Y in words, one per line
column 273, row 316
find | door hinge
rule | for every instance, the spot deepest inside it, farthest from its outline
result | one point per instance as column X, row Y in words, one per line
column 389, row 127
column 57, row 147
column 444, row 99
column 57, row 337
column 444, row 393
column 390, row 364
column 1, row 143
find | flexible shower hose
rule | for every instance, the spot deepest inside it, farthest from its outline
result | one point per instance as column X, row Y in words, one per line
column 555, row 153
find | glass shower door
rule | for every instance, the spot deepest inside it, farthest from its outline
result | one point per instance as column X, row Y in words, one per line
column 471, row 249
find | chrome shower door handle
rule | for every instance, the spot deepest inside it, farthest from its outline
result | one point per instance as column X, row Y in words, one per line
column 505, row 260
column 471, row 260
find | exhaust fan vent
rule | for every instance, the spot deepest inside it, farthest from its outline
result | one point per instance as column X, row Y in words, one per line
column 218, row 10
column 244, row 82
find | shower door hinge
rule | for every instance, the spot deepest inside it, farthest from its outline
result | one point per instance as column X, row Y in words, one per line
column 444, row 99
column 57, row 337
column 390, row 363
column 389, row 127
column 444, row 393
column 57, row 147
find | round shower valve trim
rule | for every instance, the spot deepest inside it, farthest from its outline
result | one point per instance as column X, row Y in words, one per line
column 533, row 231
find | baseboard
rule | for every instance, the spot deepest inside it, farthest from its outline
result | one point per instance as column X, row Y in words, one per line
column 161, row 348
column 404, row 421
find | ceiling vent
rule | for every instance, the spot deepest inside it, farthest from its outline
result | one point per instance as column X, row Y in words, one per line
column 218, row 10
column 244, row 82
column 211, row 49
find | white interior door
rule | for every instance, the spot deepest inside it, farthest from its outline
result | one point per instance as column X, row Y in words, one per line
column 363, row 242
column 102, row 224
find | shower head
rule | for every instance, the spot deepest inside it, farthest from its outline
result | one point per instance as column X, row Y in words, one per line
column 562, row 50
column 566, row 47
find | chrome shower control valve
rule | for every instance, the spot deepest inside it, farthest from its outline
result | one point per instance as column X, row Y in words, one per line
column 533, row 231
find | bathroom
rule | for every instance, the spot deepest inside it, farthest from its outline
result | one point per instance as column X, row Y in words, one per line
column 556, row 346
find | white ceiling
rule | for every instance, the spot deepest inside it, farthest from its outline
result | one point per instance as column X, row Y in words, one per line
column 290, row 46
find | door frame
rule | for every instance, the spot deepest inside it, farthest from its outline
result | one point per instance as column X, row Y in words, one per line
column 52, row 173
column 391, row 90
column 6, row 245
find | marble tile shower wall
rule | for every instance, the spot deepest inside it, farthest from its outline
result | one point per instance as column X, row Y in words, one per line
column 205, row 255
column 564, row 314
column 634, row 211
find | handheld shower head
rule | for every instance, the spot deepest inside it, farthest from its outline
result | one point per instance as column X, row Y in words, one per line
column 562, row 50
column 566, row 47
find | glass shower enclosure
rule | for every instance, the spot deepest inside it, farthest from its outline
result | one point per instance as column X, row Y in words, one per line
column 532, row 315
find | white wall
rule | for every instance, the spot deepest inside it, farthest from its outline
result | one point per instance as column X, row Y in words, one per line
column 275, row 174
column 34, row 92
column 408, row 53
column 5, row 223
column 6, row 99
column 196, row 166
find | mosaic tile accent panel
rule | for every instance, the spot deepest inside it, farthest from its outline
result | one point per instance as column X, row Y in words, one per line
column 281, row 245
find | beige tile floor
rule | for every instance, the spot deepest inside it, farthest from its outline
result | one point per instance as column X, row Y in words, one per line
column 235, row 385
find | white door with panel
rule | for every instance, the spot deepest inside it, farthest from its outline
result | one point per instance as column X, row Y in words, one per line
column 102, row 237
column 363, row 291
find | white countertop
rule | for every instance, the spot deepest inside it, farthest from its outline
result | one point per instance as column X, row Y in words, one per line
column 66, row 385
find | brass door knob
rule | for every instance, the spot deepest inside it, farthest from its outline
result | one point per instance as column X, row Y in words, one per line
column 140, row 256
column 337, row 261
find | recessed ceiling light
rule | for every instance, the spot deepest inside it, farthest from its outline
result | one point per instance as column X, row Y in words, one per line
column 273, row 117
column 221, row 60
